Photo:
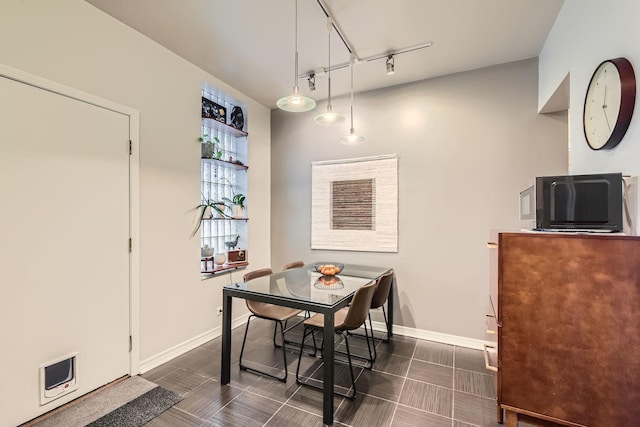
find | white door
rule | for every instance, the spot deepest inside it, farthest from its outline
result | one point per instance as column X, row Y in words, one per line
column 64, row 229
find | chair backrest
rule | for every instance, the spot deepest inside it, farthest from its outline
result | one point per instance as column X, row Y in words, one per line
column 382, row 290
column 294, row 264
column 255, row 306
column 359, row 308
column 256, row 273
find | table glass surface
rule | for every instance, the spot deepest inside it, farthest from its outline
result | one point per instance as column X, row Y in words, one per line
column 304, row 284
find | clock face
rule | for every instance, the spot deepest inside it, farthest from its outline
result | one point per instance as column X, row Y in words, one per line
column 608, row 106
column 602, row 105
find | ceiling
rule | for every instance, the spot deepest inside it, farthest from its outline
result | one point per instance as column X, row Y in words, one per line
column 250, row 44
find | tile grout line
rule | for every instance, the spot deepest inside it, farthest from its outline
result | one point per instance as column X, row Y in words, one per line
column 404, row 382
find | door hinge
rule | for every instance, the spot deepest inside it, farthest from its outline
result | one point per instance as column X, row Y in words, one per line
column 130, row 245
column 130, row 343
column 130, row 147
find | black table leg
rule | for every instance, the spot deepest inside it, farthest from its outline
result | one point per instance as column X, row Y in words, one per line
column 390, row 307
column 225, row 370
column 328, row 354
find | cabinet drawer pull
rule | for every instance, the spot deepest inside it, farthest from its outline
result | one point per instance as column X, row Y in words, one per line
column 486, row 358
column 492, row 245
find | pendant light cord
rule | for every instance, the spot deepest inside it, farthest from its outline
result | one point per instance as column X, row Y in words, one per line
column 351, row 61
column 295, row 76
column 329, row 71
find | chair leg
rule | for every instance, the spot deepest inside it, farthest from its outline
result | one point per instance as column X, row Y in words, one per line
column 353, row 378
column 372, row 354
column 315, row 346
column 244, row 340
column 386, row 323
column 275, row 328
column 375, row 352
column 306, row 384
column 246, row 368
column 284, row 351
column 304, row 336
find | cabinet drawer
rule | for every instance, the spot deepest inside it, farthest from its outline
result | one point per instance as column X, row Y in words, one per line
column 491, row 357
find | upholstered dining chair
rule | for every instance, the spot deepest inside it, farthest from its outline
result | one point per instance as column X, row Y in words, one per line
column 345, row 320
column 294, row 264
column 275, row 313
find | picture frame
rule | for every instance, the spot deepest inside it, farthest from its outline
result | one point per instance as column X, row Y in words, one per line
column 212, row 110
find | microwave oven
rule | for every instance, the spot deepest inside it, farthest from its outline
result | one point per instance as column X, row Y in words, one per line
column 574, row 203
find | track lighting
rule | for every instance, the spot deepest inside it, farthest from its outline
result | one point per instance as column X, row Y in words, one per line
column 312, row 82
column 391, row 65
column 296, row 103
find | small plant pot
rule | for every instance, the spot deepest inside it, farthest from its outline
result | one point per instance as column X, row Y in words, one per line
column 206, row 151
column 237, row 211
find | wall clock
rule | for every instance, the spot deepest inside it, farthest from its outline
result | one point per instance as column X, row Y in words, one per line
column 608, row 106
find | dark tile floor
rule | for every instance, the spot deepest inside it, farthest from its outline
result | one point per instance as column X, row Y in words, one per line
column 413, row 383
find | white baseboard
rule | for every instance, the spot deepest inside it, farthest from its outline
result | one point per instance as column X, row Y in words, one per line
column 179, row 349
column 188, row 345
column 432, row 336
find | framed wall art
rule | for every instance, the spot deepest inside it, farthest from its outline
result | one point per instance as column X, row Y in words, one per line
column 354, row 204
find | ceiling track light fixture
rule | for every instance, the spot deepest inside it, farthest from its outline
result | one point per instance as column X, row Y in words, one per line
column 329, row 118
column 352, row 138
column 391, row 65
column 376, row 57
column 312, row 82
column 296, row 103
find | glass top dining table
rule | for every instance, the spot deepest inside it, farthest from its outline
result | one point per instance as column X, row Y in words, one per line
column 305, row 289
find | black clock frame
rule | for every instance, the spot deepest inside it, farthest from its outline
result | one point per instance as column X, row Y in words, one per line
column 627, row 102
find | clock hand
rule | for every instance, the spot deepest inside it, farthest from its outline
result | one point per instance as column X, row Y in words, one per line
column 604, row 110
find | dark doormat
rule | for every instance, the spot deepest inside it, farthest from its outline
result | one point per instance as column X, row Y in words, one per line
column 140, row 410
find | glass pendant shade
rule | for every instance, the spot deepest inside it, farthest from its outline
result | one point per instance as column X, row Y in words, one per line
column 329, row 118
column 296, row 103
column 352, row 138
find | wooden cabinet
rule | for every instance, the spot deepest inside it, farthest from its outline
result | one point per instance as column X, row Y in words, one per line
column 568, row 316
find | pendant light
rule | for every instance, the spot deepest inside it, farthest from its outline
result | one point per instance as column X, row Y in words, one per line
column 329, row 118
column 296, row 103
column 352, row 138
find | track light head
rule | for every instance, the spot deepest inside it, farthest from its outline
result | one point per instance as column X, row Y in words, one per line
column 391, row 66
column 312, row 82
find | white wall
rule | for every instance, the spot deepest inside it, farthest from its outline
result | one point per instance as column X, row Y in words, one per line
column 587, row 32
column 73, row 43
column 467, row 143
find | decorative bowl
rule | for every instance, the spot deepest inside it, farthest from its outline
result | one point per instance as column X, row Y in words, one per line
column 328, row 268
column 328, row 282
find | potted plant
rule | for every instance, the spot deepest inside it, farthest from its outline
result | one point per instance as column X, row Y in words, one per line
column 237, row 204
column 205, row 211
column 210, row 147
